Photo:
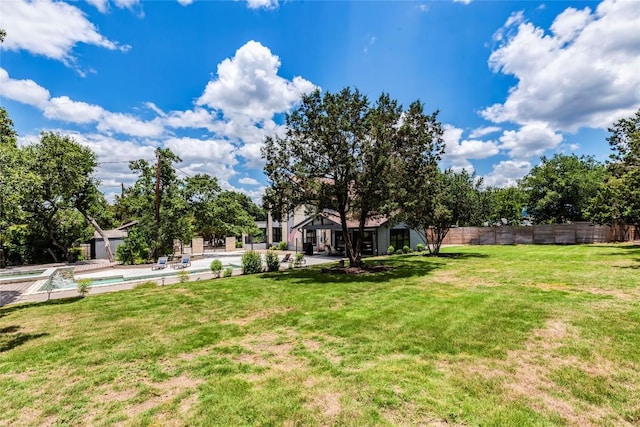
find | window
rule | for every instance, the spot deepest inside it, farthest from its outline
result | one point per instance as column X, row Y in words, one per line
column 399, row 238
column 311, row 236
column 276, row 234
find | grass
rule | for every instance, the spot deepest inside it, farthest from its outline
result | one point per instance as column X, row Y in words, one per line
column 511, row 335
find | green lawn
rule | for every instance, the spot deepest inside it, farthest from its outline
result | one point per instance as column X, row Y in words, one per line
column 512, row 336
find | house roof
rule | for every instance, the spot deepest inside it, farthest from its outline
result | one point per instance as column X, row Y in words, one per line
column 331, row 220
column 117, row 233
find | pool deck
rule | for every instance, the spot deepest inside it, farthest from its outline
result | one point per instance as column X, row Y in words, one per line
column 28, row 291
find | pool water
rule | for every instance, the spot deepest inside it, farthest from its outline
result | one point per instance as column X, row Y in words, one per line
column 114, row 280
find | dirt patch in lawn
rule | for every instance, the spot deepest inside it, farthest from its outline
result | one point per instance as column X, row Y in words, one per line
column 258, row 315
column 526, row 374
column 269, row 350
column 164, row 393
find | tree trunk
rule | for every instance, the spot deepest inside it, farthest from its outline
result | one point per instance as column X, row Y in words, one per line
column 348, row 244
column 58, row 245
column 53, row 255
column 105, row 239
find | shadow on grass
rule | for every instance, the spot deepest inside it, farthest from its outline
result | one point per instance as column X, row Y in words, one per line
column 402, row 267
column 632, row 248
column 456, row 255
column 5, row 311
column 18, row 340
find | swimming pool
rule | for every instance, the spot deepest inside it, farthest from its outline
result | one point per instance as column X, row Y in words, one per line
column 117, row 279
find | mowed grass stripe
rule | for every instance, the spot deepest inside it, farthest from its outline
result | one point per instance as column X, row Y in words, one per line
column 512, row 335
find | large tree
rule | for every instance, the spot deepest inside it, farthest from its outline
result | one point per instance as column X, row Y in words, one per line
column 217, row 213
column 65, row 182
column 442, row 200
column 336, row 155
column 618, row 199
column 503, row 204
column 558, row 189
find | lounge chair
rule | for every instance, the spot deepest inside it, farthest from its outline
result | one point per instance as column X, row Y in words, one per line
column 162, row 263
column 185, row 261
column 285, row 258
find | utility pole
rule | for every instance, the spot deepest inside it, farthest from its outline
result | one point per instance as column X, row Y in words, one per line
column 159, row 157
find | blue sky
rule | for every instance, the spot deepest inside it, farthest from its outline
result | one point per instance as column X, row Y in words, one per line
column 210, row 79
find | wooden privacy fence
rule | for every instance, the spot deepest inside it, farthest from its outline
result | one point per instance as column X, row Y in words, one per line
column 580, row 232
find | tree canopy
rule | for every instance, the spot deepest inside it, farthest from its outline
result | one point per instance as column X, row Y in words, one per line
column 558, row 189
column 618, row 199
column 338, row 154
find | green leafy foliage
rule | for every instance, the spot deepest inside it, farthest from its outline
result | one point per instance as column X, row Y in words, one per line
column 406, row 249
column 391, row 250
column 228, row 272
column 216, row 267
column 420, row 247
column 618, row 199
column 440, row 201
column 340, row 153
column 273, row 262
column 283, row 246
column 251, row 262
column 558, row 189
column 135, row 249
column 84, row 286
column 183, row 276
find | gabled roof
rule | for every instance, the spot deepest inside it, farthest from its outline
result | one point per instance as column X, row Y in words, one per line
column 117, row 233
column 330, row 220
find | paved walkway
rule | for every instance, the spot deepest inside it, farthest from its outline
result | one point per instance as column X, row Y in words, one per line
column 28, row 291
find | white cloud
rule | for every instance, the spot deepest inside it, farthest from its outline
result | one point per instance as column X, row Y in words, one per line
column 185, row 2
column 506, row 173
column 458, row 152
column 483, row 131
column 582, row 74
column 248, row 181
column 25, row 91
column 371, row 42
column 530, row 140
column 197, row 118
column 248, row 85
column 63, row 108
column 51, row 29
column 262, row 4
column 462, row 1
column 126, row 4
column 101, row 5
column 215, row 157
column 130, row 125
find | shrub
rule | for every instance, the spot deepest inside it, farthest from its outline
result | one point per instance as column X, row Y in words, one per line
column 216, row 267
column 228, row 272
column 84, row 285
column 406, row 249
column 273, row 263
column 238, row 245
column 76, row 254
column 283, row 246
column 299, row 259
column 274, row 247
column 420, row 247
column 134, row 250
column 399, row 252
column 146, row 285
column 251, row 262
column 391, row 250
column 183, row 276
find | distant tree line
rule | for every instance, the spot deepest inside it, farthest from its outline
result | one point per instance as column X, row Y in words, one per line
column 50, row 203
